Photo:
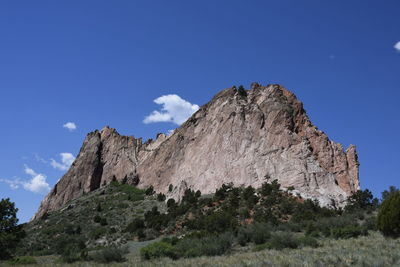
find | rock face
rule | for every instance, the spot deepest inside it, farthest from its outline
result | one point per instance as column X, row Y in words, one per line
column 244, row 139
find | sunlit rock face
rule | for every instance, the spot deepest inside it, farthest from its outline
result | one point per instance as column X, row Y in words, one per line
column 235, row 138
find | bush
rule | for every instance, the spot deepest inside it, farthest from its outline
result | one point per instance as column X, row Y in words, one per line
column 206, row 246
column 135, row 225
column 361, row 200
column 161, row 197
column 257, row 233
column 99, row 208
column 308, row 241
column 111, row 254
column 171, row 203
column 103, row 221
column 154, row 219
column 327, row 225
column 149, row 191
column 22, row 260
column 349, row 231
column 387, row 193
column 370, row 223
column 157, row 250
column 188, row 247
column 73, row 252
column 242, row 91
column 97, row 219
column 97, row 233
column 217, row 222
column 389, row 216
column 281, row 240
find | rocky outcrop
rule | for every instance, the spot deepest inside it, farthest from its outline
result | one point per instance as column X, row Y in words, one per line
column 244, row 139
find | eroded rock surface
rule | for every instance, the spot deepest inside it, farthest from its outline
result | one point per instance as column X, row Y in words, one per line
column 246, row 140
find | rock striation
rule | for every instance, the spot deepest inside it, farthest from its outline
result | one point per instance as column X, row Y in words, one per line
column 241, row 138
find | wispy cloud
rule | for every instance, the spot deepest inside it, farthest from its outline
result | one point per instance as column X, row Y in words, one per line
column 66, row 161
column 397, row 46
column 13, row 183
column 174, row 109
column 71, row 126
column 38, row 158
column 37, row 184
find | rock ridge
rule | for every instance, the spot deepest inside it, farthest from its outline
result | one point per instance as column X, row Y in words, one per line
column 243, row 139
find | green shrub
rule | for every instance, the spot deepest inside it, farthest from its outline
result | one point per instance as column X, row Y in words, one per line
column 262, row 247
column 241, row 91
column 370, row 223
column 389, row 216
column 188, row 247
column 97, row 219
column 244, row 235
column 206, row 246
column 108, row 255
column 135, row 225
column 99, row 208
column 103, row 221
column 308, row 241
column 259, row 232
column 171, row 203
column 22, row 260
column 149, row 191
column 154, row 219
column 348, row 231
column 387, row 193
column 97, row 232
column 284, row 240
column 281, row 240
column 157, row 250
column 73, row 252
column 161, row 197
column 361, row 200
column 216, row 222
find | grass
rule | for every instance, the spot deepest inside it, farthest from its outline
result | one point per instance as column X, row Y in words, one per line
column 372, row 250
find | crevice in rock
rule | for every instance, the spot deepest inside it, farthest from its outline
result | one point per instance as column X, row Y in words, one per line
column 98, row 170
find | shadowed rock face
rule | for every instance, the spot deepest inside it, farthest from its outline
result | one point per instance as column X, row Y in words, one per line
column 246, row 140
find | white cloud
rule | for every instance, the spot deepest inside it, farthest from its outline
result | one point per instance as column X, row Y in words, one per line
column 66, row 161
column 397, row 46
column 174, row 109
column 37, row 184
column 70, row 126
column 29, row 171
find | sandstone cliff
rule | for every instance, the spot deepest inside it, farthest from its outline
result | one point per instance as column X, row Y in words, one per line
column 247, row 140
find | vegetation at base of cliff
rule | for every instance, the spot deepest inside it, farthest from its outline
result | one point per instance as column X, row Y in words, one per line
column 10, row 232
column 95, row 220
column 389, row 215
column 97, row 226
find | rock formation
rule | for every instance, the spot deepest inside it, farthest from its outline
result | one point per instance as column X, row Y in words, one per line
column 247, row 139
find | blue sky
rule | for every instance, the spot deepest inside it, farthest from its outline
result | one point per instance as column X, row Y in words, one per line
column 97, row 63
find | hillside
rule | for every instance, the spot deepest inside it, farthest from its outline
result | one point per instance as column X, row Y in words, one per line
column 120, row 222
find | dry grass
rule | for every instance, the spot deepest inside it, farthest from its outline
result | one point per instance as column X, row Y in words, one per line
column 372, row 250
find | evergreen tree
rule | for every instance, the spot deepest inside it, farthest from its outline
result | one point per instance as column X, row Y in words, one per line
column 10, row 232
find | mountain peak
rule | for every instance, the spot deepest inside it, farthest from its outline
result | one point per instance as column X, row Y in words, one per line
column 244, row 137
